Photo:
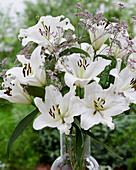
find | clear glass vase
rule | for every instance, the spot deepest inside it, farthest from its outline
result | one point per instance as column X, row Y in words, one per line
column 67, row 159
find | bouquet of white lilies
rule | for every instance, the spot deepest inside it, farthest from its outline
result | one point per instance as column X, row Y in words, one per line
column 74, row 82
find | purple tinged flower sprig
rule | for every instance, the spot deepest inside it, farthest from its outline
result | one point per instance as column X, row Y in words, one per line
column 2, row 63
column 54, row 79
column 121, row 6
column 79, row 6
column 134, row 17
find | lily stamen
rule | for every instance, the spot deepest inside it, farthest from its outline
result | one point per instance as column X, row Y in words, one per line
column 53, row 108
column 99, row 105
column 40, row 31
column 84, row 64
column 26, row 70
column 8, row 91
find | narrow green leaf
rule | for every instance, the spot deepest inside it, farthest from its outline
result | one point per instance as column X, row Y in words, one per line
column 36, row 91
column 79, row 147
column 98, row 141
column 79, row 143
column 73, row 50
column 22, row 125
column 77, row 125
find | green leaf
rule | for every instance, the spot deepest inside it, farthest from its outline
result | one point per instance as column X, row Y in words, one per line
column 73, row 50
column 77, row 125
column 36, row 91
column 98, row 141
column 79, row 147
column 79, row 143
column 23, row 124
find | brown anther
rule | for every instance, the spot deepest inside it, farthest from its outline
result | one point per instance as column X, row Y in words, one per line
column 95, row 102
column 23, row 72
column 53, row 108
column 29, row 65
column 30, row 70
column 40, row 31
column 103, row 101
column 46, row 26
column 80, row 65
column 8, row 91
column 59, row 111
column 27, row 72
column 98, row 99
column 87, row 65
column 85, row 61
column 80, row 61
column 94, row 112
column 50, row 111
column 84, row 67
column 132, row 81
column 53, row 115
column 105, row 25
column 102, row 106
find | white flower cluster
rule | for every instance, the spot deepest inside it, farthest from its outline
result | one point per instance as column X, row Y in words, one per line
column 99, row 101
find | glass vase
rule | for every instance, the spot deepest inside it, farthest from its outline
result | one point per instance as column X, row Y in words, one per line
column 67, row 160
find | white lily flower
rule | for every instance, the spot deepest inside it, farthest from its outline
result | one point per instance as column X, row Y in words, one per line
column 88, row 48
column 14, row 92
column 125, row 83
column 98, row 36
column 57, row 111
column 47, row 32
column 101, row 105
column 81, row 70
column 32, row 72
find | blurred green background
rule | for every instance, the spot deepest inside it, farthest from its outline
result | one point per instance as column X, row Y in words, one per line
column 35, row 147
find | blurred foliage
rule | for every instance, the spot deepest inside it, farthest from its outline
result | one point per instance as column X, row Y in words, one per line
column 32, row 146
column 23, row 150
column 9, row 44
column 43, row 146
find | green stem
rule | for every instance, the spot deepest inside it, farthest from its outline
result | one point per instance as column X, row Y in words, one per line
column 71, row 156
